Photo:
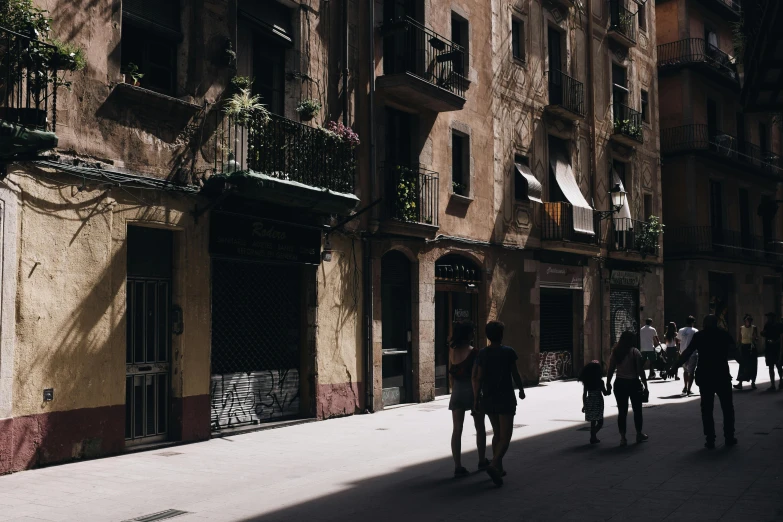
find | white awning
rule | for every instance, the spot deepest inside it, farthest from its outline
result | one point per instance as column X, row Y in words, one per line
column 582, row 211
column 534, row 188
column 622, row 219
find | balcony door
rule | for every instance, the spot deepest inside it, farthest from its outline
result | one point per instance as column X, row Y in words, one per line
column 555, row 67
column 399, row 48
column 716, row 213
column 619, row 92
column 712, row 119
column 741, row 132
column 744, row 215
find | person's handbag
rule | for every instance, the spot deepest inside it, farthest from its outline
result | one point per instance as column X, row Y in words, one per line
column 645, row 396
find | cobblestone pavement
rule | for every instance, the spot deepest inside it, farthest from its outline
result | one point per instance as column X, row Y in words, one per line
column 395, row 465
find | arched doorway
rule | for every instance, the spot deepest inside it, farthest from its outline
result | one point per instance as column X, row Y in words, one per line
column 396, row 321
column 456, row 299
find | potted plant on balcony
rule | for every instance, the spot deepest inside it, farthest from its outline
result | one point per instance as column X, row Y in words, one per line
column 242, row 82
column 647, row 238
column 132, row 74
column 308, row 109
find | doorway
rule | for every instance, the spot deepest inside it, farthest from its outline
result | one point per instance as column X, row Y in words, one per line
column 557, row 334
column 148, row 335
column 721, row 291
column 396, row 332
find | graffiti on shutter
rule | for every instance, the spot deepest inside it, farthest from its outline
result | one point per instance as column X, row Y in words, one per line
column 249, row 398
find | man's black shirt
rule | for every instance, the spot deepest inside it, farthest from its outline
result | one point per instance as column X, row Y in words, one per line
column 713, row 346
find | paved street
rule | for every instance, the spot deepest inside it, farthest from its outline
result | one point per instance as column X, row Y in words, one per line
column 395, row 465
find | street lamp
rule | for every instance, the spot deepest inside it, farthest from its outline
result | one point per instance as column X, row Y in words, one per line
column 617, row 194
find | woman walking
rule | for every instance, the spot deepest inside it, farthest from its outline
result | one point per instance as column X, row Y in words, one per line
column 462, row 357
column 631, row 384
column 495, row 378
column 749, row 355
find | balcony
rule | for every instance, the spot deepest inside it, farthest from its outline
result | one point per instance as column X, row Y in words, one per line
column 721, row 145
column 695, row 52
column 685, row 242
column 627, row 125
column 627, row 235
column 557, row 227
column 566, row 96
column 729, row 8
column 274, row 159
column 411, row 195
column 622, row 24
column 28, row 97
column 421, row 68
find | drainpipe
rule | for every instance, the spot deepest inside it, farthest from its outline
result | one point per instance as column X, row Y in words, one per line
column 593, row 158
column 369, row 380
column 345, row 62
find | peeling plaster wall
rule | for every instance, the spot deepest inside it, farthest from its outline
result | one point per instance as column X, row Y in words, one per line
column 71, row 297
column 339, row 339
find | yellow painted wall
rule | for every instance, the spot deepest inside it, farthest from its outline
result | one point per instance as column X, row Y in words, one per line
column 71, row 291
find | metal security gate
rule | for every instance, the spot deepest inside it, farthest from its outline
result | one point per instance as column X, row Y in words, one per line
column 624, row 312
column 557, row 334
column 256, row 337
column 148, row 335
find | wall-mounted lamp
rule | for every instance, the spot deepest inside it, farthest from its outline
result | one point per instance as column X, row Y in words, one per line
column 326, row 255
column 617, row 195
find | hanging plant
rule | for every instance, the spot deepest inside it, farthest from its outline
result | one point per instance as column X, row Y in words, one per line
column 245, row 108
column 242, row 82
column 308, row 109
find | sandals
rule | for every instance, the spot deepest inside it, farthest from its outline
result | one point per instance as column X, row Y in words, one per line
column 496, row 475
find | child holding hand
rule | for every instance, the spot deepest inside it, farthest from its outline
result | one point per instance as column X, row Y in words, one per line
column 593, row 398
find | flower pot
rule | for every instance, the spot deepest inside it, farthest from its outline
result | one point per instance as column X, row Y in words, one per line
column 306, row 116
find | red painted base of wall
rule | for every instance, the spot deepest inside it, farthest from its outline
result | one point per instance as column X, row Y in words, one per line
column 339, row 400
column 190, row 418
column 29, row 441
column 48, row 438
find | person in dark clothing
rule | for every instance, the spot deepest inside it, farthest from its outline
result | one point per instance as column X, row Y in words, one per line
column 493, row 387
column 713, row 345
column 771, row 333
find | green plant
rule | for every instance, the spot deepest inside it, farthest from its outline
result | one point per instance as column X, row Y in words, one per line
column 242, row 82
column 67, row 57
column 245, row 107
column 628, row 127
column 648, row 237
column 458, row 188
column 21, row 16
column 132, row 70
column 407, row 199
column 308, row 108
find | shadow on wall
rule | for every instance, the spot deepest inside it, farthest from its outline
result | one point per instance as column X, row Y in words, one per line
column 78, row 361
column 558, row 473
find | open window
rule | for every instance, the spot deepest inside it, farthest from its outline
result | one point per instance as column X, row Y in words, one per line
column 150, row 36
column 460, row 163
column 518, row 39
column 460, row 35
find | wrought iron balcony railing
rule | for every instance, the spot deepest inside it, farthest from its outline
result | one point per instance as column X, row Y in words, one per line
column 627, row 236
column 696, row 51
column 284, row 149
column 557, row 224
column 622, row 20
column 566, row 92
column 627, row 122
column 700, row 137
column 410, row 47
column 28, row 93
column 684, row 241
column 411, row 194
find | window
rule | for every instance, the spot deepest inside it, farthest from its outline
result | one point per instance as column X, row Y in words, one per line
column 150, row 34
column 643, row 17
column 459, row 35
column 269, row 74
column 520, row 184
column 648, row 207
column 716, row 206
column 645, row 106
column 460, row 163
column 518, row 39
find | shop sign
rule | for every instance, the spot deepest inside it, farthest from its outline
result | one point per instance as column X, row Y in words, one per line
column 624, row 278
column 461, row 315
column 248, row 237
column 561, row 276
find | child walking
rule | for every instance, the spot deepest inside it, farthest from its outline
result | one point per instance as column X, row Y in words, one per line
column 593, row 398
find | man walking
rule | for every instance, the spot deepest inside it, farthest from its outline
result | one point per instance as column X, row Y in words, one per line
column 771, row 332
column 685, row 335
column 713, row 377
column 649, row 340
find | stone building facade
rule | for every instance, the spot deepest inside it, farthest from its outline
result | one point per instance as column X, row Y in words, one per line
column 721, row 172
column 253, row 268
column 525, row 138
